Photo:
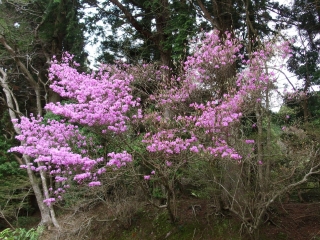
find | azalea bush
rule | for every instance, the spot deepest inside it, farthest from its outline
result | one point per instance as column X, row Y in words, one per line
column 163, row 123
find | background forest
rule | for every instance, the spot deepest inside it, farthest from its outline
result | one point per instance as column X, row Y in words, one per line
column 173, row 133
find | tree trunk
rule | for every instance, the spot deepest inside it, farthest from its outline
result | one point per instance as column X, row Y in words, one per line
column 44, row 210
column 46, row 217
column 260, row 159
column 165, row 57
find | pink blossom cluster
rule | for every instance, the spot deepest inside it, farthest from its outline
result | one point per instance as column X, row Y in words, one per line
column 119, row 159
column 221, row 148
column 167, row 142
column 101, row 99
column 212, row 54
column 215, row 118
column 218, row 115
column 49, row 201
column 60, row 150
column 54, row 145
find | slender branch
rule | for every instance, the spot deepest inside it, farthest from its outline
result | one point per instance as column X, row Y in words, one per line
column 207, row 15
column 19, row 160
column 6, row 220
column 284, row 76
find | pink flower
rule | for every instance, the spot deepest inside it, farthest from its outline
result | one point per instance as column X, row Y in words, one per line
column 93, row 184
column 168, row 163
column 224, row 154
column 235, row 156
column 146, row 177
column 49, row 201
column 194, row 149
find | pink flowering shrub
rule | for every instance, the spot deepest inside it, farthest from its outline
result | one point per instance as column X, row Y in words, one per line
column 206, row 127
column 180, row 128
column 102, row 100
column 216, row 116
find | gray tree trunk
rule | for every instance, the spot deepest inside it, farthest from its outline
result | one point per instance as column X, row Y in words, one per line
column 47, row 213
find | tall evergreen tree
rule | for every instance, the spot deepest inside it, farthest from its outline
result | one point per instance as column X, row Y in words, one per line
column 304, row 17
column 248, row 19
column 145, row 30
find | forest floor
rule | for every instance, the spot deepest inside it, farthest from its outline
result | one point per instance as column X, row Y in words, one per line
column 196, row 220
column 299, row 221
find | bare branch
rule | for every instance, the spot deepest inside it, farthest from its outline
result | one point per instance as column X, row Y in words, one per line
column 284, row 76
column 133, row 21
column 207, row 15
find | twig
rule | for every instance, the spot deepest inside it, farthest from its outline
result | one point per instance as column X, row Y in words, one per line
column 194, row 233
column 6, row 220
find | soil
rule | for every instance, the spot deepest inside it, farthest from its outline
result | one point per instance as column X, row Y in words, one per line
column 298, row 221
column 290, row 221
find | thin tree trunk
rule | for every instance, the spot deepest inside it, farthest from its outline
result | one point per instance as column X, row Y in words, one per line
column 46, row 217
column 268, row 144
column 44, row 210
column 46, row 195
column 259, row 146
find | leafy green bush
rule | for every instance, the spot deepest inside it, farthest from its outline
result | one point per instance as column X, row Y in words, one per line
column 21, row 234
